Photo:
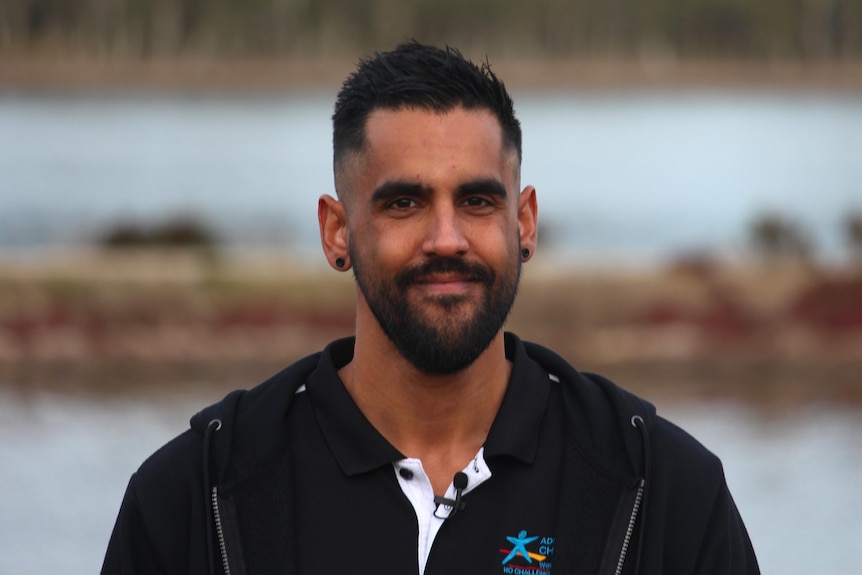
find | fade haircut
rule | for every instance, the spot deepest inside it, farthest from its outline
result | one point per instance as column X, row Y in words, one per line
column 416, row 76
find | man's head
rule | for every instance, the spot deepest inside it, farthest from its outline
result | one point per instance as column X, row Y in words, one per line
column 429, row 215
column 415, row 76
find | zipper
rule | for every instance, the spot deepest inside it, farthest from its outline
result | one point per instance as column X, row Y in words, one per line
column 220, row 532
column 630, row 528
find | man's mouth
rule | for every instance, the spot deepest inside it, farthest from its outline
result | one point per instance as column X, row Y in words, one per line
column 444, row 284
column 445, row 277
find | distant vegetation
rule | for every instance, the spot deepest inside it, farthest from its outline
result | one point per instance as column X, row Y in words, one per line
column 739, row 29
column 775, row 236
column 177, row 232
column 771, row 236
column 853, row 234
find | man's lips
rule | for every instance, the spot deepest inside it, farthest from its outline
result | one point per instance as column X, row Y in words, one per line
column 444, row 276
column 444, row 283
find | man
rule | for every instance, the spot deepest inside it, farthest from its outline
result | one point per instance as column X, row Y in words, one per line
column 432, row 442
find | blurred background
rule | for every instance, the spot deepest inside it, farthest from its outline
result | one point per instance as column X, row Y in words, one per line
column 699, row 171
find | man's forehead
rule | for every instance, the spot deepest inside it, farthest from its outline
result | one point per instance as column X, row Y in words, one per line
column 396, row 135
column 404, row 126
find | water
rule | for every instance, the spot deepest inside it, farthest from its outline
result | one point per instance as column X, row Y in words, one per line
column 647, row 174
column 795, row 477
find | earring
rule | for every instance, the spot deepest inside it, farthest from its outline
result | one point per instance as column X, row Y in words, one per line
column 340, row 263
column 525, row 253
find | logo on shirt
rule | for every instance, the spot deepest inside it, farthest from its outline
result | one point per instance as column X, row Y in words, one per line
column 527, row 554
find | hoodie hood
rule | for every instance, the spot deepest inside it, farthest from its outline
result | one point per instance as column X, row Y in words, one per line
column 253, row 431
column 603, row 424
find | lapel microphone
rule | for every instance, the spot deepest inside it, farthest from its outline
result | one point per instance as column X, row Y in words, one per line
column 460, row 483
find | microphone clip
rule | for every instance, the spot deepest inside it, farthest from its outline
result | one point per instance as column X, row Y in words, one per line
column 460, row 483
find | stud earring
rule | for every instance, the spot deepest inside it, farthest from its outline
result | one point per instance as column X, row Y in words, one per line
column 525, row 253
column 340, row 263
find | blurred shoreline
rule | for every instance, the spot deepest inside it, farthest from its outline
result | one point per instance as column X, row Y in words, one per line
column 136, row 322
column 265, row 75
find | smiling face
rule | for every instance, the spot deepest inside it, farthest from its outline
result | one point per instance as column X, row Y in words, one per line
column 435, row 227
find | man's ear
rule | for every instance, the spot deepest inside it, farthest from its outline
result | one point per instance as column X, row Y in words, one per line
column 332, row 218
column 528, row 218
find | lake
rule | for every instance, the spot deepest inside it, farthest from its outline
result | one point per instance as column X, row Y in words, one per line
column 66, row 461
column 638, row 175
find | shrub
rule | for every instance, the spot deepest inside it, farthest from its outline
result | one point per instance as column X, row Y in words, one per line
column 775, row 237
column 175, row 232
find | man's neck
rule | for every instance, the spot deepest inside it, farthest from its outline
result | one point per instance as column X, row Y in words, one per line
column 441, row 419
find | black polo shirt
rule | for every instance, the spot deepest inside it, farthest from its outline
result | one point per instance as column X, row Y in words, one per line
column 353, row 513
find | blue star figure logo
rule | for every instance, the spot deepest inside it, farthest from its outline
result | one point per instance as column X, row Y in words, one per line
column 519, row 547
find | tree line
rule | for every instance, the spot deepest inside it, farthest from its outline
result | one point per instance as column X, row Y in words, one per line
column 808, row 30
column 774, row 236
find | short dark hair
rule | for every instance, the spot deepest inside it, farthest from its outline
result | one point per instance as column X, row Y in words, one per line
column 414, row 75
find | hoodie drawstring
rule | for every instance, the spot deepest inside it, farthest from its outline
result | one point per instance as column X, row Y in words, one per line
column 212, row 427
column 640, row 425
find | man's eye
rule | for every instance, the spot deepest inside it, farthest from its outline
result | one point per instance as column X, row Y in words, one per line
column 403, row 203
column 476, row 202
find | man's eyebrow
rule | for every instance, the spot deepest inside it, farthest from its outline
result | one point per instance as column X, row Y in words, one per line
column 487, row 186
column 395, row 189
column 392, row 190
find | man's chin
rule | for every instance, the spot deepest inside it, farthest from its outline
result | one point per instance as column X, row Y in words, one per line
column 443, row 312
column 452, row 353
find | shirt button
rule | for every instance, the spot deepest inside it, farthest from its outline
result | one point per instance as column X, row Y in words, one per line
column 405, row 473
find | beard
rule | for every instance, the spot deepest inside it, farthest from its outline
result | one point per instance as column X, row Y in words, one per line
column 450, row 340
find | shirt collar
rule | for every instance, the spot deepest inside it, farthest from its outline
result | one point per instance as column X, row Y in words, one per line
column 516, row 428
column 359, row 447
column 356, row 444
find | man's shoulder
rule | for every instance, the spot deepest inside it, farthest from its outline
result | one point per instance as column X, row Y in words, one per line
column 590, row 396
column 248, row 406
column 242, row 425
column 679, row 456
column 602, row 417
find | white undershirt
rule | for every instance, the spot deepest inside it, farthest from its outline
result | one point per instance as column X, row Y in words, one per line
column 421, row 495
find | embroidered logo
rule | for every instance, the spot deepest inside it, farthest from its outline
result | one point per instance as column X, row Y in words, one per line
column 520, row 560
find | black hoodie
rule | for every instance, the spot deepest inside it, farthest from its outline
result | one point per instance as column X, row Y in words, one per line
column 639, row 495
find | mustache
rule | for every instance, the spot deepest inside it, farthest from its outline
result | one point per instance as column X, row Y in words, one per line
column 469, row 271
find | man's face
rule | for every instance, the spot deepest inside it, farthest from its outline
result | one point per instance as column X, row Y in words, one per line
column 433, row 225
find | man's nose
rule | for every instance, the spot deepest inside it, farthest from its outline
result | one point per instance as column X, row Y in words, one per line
column 445, row 234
